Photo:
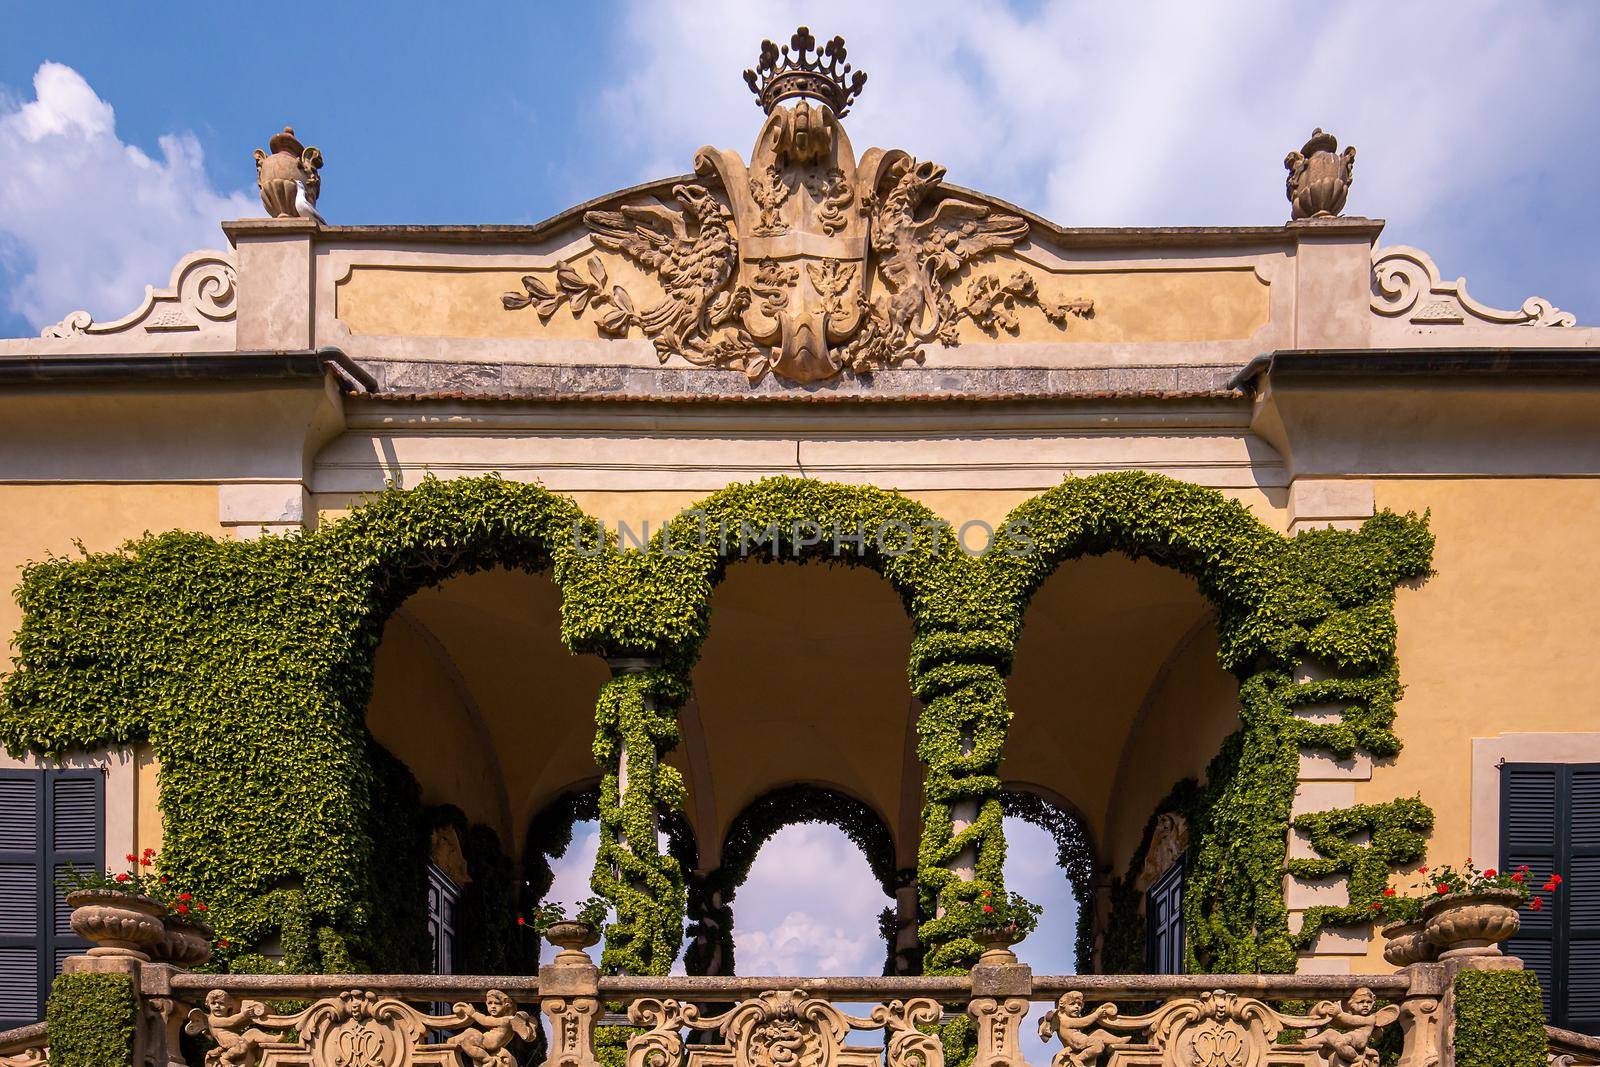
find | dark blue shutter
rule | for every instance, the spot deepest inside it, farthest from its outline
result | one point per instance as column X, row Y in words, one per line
column 1550, row 820
column 1163, row 906
column 48, row 820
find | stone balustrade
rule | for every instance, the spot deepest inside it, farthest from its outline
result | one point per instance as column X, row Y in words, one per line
column 570, row 1015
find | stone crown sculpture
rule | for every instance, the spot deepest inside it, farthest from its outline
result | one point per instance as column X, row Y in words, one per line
column 780, row 74
column 1319, row 181
column 281, row 174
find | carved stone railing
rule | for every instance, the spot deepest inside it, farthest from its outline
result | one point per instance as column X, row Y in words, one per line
column 1092, row 1021
column 26, row 1046
column 1568, row 1049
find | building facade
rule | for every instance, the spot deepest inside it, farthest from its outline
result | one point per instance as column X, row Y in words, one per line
column 362, row 560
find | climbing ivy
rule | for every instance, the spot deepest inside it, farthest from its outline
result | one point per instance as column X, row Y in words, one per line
column 1499, row 1020
column 248, row 667
column 1397, row 834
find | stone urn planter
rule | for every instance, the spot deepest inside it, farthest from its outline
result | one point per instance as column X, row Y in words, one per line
column 997, row 946
column 1406, row 943
column 117, row 924
column 1472, row 924
column 572, row 938
column 185, row 942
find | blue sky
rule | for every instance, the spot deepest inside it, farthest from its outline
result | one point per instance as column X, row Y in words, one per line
column 126, row 133
column 1475, row 121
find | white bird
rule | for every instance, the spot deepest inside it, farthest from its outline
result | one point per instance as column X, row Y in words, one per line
column 304, row 207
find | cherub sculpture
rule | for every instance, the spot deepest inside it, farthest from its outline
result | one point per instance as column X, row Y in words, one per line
column 222, row 1020
column 501, row 1022
column 1344, row 1036
column 1081, row 1046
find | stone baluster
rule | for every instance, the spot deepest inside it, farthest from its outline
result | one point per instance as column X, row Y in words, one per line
column 569, row 996
column 1001, row 986
column 1422, row 1016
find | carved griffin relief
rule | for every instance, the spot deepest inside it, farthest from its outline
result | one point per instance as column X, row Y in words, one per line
column 803, row 261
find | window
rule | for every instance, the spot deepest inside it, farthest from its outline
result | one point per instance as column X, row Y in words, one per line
column 1550, row 820
column 443, row 896
column 48, row 819
column 1163, row 909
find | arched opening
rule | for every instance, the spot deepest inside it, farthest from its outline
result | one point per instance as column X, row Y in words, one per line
column 802, row 679
column 1117, row 696
column 474, row 693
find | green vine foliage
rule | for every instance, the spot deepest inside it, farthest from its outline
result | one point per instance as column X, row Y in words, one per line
column 248, row 667
column 1397, row 834
column 91, row 1020
column 1499, row 1020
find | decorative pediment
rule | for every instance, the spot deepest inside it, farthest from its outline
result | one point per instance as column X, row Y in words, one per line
column 804, row 261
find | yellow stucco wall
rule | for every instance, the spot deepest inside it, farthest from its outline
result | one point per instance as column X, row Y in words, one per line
column 1501, row 639
column 38, row 520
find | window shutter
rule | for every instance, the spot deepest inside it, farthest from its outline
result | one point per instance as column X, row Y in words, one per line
column 21, row 903
column 48, row 820
column 1579, row 899
column 1164, row 916
column 1529, row 795
column 1550, row 820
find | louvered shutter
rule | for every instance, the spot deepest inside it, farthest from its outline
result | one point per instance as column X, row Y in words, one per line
column 1579, row 901
column 48, row 820
column 1164, row 916
column 21, row 910
column 1550, row 820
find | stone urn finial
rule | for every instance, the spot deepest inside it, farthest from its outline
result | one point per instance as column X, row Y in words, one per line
column 1319, row 181
column 289, row 177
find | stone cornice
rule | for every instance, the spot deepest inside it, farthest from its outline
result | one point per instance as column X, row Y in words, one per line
column 164, row 367
column 1375, row 366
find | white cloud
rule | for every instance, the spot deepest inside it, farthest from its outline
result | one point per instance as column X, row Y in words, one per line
column 1472, row 119
column 87, row 221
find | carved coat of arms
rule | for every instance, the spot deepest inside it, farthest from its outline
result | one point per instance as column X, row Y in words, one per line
column 804, row 261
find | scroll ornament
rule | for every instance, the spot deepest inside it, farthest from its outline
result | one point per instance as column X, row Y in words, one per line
column 359, row 1028
column 201, row 291
column 806, row 261
column 1406, row 282
column 1218, row 1029
column 784, row 1028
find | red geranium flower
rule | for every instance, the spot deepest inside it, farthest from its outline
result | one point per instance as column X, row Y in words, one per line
column 1389, row 892
column 184, row 896
column 1519, row 877
column 1422, row 870
column 132, row 858
column 222, row 942
column 1556, row 878
column 988, row 907
column 1490, row 873
column 1537, row 904
column 182, row 908
column 145, row 862
column 521, row 921
column 1376, row 905
column 199, row 907
column 122, row 877
column 1442, row 888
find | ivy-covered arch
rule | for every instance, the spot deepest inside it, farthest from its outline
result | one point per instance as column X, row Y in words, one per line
column 711, row 950
column 1288, row 610
column 248, row 665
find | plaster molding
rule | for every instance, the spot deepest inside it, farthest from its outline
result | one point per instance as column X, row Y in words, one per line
column 1406, row 282
column 202, row 291
column 1488, row 753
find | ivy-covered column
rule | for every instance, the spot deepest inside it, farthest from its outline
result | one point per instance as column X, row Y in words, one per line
column 636, row 723
column 961, row 737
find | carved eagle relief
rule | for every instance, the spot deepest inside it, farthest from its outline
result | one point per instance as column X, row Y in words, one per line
column 803, row 262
